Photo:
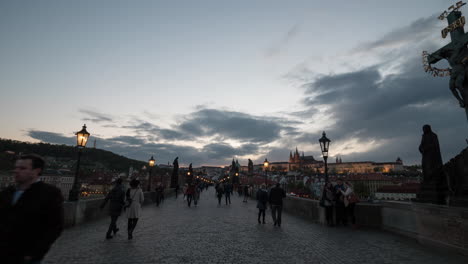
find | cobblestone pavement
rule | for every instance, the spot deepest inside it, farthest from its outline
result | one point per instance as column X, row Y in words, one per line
column 208, row 233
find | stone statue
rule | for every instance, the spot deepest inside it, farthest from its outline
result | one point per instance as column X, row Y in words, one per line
column 431, row 157
column 175, row 173
column 250, row 167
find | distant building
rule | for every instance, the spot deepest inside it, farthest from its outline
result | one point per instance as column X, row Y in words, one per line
column 365, row 167
column 298, row 162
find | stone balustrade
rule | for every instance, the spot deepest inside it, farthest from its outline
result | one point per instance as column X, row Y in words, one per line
column 430, row 224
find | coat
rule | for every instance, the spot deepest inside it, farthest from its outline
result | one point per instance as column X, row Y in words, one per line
column 276, row 196
column 262, row 199
column 135, row 198
column 29, row 227
column 116, row 198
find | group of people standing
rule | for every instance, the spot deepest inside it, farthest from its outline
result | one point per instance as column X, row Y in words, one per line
column 275, row 198
column 341, row 199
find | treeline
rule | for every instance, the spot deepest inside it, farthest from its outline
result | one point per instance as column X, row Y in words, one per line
column 91, row 157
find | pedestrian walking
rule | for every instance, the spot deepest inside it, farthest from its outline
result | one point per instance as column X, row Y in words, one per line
column 31, row 214
column 262, row 199
column 327, row 201
column 276, row 203
column 176, row 190
column 219, row 193
column 196, row 195
column 190, row 191
column 134, row 198
column 184, row 190
column 246, row 193
column 116, row 198
column 227, row 193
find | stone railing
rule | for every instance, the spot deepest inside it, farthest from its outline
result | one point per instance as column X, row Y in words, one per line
column 435, row 225
column 88, row 210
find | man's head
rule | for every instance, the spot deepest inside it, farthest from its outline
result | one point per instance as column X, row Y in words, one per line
column 28, row 168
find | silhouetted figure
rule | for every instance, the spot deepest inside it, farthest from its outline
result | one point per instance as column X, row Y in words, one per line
column 31, row 214
column 276, row 202
column 431, row 157
column 262, row 199
column 176, row 190
column 134, row 197
column 190, row 192
column 116, row 198
column 227, row 193
column 175, row 173
column 219, row 193
column 340, row 208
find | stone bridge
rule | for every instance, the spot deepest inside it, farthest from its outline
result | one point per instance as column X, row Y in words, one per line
column 209, row 233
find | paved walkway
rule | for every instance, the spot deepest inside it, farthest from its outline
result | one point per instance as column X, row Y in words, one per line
column 174, row 233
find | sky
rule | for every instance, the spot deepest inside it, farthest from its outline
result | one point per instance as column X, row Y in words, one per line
column 209, row 81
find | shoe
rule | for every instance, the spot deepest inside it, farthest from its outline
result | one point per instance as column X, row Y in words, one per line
column 264, row 222
column 130, row 236
column 116, row 230
column 259, row 221
column 275, row 223
column 108, row 236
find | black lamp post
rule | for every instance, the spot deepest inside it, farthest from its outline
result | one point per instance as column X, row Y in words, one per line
column 151, row 165
column 81, row 139
column 265, row 165
column 324, row 144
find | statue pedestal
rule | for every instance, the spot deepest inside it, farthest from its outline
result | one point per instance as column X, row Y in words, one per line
column 457, row 173
column 432, row 193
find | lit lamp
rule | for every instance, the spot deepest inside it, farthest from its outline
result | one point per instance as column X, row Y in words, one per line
column 151, row 163
column 265, row 165
column 324, row 144
column 81, row 139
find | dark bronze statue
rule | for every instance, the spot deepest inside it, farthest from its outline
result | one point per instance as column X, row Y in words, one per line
column 456, row 54
column 175, row 173
column 431, row 157
column 250, row 167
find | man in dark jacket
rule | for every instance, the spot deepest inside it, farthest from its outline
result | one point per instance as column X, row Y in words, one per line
column 31, row 214
column 117, row 200
column 276, row 203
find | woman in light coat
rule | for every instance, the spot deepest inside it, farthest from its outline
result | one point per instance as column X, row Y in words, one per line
column 134, row 197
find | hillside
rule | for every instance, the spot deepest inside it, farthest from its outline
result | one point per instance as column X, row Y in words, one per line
column 60, row 155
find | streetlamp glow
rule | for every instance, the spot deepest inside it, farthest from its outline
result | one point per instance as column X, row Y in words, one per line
column 151, row 163
column 82, row 137
column 324, row 144
column 265, row 165
column 81, row 140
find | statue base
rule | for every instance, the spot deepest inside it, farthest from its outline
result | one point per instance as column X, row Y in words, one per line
column 432, row 193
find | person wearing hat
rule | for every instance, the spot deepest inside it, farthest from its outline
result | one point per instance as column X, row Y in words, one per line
column 134, row 198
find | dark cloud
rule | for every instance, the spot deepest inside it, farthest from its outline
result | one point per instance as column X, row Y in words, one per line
column 95, row 116
column 50, row 137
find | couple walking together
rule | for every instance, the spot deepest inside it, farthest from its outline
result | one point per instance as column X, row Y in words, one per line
column 275, row 198
column 119, row 200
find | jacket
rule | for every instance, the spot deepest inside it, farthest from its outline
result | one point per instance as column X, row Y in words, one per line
column 29, row 227
column 276, row 196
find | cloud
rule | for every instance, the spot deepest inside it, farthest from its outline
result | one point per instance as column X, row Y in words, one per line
column 95, row 116
column 277, row 48
column 379, row 116
column 51, row 137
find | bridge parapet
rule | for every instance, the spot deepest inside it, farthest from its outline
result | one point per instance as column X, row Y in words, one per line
column 430, row 224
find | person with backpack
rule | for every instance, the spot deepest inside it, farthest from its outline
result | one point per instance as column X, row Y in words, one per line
column 262, row 199
column 134, row 198
column 116, row 198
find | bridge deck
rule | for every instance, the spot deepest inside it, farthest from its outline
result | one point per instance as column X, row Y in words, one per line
column 175, row 233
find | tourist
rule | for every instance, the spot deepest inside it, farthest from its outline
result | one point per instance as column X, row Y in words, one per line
column 184, row 190
column 219, row 193
column 116, row 198
column 246, row 193
column 196, row 194
column 190, row 192
column 276, row 203
column 350, row 200
column 134, row 199
column 328, row 197
column 227, row 193
column 262, row 199
column 31, row 214
column 340, row 209
column 176, row 190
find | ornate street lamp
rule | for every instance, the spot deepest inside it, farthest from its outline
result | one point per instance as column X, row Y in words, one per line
column 81, row 139
column 324, row 144
column 151, row 163
column 265, row 165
